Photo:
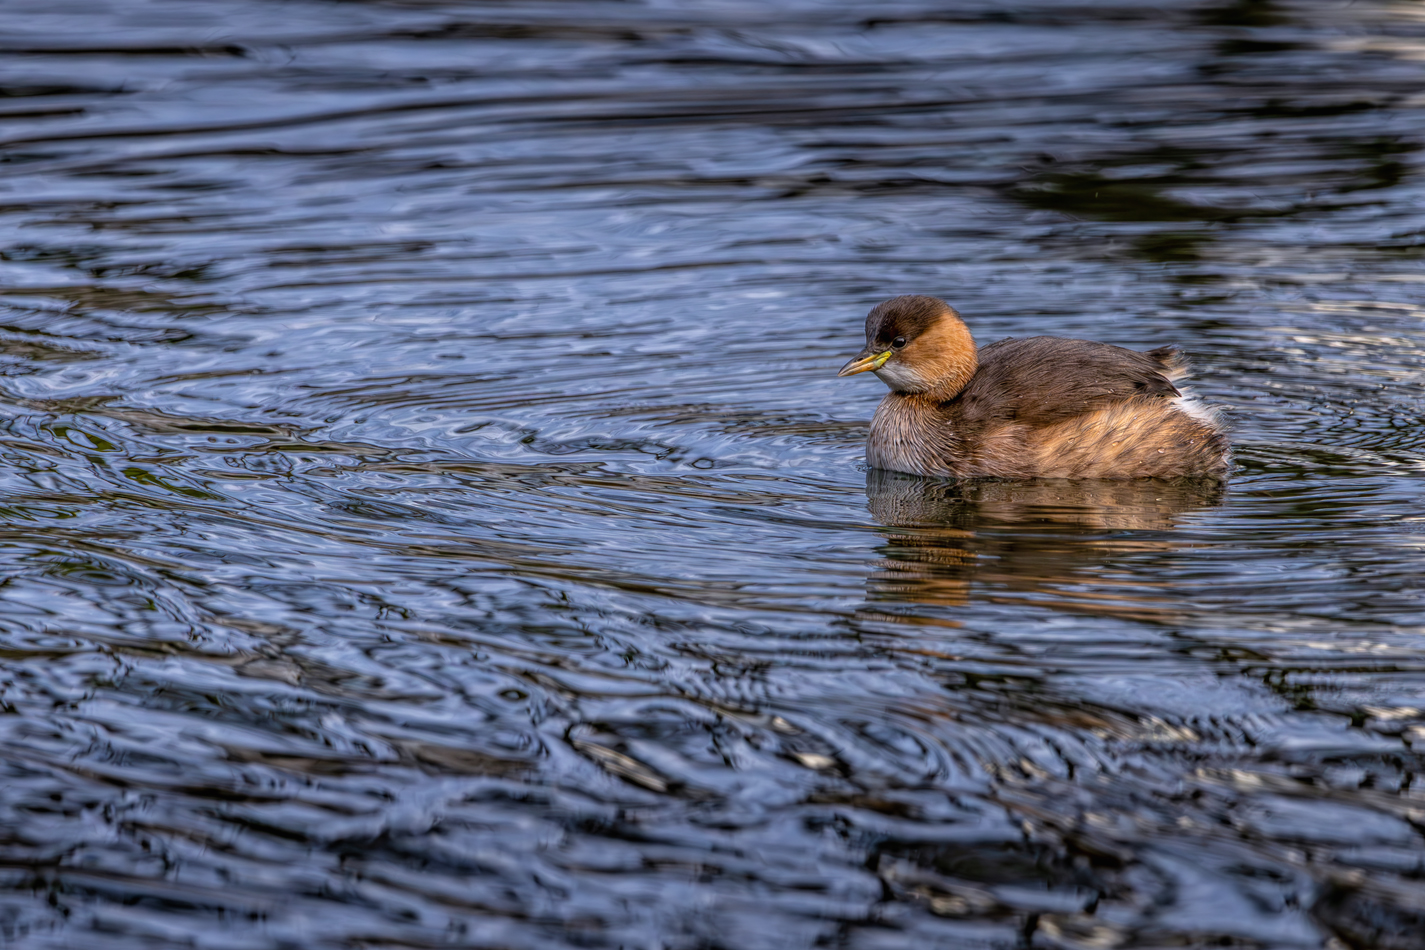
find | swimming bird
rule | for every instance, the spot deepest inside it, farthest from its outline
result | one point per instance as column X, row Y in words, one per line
column 1038, row 407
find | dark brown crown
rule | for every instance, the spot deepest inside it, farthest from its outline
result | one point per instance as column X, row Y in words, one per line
column 908, row 316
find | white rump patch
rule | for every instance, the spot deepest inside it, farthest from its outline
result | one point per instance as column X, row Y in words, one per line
column 1189, row 405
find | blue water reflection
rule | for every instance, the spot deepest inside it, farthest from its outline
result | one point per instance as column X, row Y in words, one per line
column 432, row 517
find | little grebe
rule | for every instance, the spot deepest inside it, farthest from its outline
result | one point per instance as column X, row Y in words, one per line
column 1041, row 407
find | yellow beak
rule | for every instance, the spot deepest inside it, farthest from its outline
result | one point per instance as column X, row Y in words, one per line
column 864, row 362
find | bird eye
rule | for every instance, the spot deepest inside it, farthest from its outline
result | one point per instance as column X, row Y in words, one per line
column 898, row 342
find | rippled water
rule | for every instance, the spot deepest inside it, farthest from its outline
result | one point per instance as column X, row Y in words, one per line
column 432, row 517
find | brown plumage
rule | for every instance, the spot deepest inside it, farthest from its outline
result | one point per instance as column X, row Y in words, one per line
column 1041, row 407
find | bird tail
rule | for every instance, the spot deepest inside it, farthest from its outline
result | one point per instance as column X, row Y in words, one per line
column 1171, row 362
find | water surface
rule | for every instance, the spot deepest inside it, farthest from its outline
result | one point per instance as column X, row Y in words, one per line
column 431, row 517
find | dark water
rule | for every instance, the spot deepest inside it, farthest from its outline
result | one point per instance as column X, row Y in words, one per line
column 431, row 517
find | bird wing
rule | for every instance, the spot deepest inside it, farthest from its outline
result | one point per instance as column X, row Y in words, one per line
column 1042, row 380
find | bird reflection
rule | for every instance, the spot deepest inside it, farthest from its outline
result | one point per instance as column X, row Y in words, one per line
column 1075, row 545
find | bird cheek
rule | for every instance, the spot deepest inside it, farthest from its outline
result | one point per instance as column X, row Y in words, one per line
column 898, row 376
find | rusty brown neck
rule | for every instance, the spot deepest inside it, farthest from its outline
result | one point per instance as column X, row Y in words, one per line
column 954, row 362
